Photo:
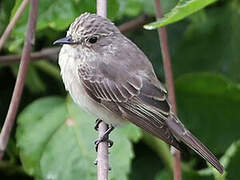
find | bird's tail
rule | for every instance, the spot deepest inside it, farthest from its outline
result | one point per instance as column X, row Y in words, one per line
column 184, row 135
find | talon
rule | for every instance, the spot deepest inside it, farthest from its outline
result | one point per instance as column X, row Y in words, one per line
column 110, row 143
column 95, row 162
column 96, row 142
column 98, row 121
column 104, row 137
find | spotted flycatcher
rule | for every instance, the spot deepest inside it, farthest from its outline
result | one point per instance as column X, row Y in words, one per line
column 109, row 76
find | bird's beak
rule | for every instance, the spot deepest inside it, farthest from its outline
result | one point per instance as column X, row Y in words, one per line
column 65, row 40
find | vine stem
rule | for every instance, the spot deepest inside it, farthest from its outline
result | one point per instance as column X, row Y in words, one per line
column 102, row 154
column 13, row 22
column 17, row 93
column 170, row 85
column 46, row 53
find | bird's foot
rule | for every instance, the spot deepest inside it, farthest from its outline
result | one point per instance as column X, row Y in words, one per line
column 95, row 162
column 104, row 138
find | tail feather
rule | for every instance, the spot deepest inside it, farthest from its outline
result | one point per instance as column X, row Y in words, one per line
column 182, row 134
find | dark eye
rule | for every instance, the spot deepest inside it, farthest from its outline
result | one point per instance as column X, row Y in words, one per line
column 93, row 39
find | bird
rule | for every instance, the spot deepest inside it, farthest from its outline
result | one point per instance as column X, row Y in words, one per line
column 107, row 75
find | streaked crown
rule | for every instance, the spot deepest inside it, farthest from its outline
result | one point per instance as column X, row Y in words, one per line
column 88, row 24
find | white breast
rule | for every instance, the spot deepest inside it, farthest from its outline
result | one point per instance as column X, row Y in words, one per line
column 68, row 64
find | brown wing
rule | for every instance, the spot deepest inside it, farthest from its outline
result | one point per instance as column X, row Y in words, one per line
column 150, row 110
column 109, row 82
column 129, row 95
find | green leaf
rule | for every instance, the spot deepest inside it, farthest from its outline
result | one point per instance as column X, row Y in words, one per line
column 133, row 132
column 208, row 104
column 48, row 68
column 183, row 9
column 56, row 138
column 230, row 153
column 33, row 80
column 165, row 174
column 136, row 7
column 230, row 161
column 56, row 14
column 5, row 9
column 160, row 147
column 34, row 130
column 211, row 43
column 15, row 45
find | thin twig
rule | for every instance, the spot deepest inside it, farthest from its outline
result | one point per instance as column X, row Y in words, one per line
column 47, row 53
column 135, row 23
column 170, row 85
column 52, row 53
column 12, row 111
column 12, row 23
column 102, row 156
column 102, row 8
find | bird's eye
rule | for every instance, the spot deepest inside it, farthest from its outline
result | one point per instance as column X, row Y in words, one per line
column 93, row 39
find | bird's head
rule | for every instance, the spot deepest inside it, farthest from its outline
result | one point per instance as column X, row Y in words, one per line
column 90, row 30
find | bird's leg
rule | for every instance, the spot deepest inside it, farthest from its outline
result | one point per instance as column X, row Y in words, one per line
column 105, row 138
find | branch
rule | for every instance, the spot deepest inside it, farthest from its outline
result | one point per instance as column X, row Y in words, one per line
column 12, row 111
column 136, row 23
column 102, row 156
column 170, row 85
column 47, row 53
column 12, row 23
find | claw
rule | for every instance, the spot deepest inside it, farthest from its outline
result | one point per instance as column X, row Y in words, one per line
column 110, row 143
column 95, row 162
column 98, row 121
column 104, row 138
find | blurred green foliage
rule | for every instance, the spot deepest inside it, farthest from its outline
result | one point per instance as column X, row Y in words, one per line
column 183, row 9
column 64, row 149
column 53, row 138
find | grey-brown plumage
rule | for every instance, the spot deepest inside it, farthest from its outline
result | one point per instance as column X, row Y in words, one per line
column 109, row 76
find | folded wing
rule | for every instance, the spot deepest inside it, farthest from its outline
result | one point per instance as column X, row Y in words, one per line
column 130, row 96
column 136, row 98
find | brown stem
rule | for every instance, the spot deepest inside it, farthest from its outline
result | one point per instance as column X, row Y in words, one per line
column 102, row 156
column 12, row 23
column 47, row 53
column 12, row 111
column 170, row 85
column 135, row 23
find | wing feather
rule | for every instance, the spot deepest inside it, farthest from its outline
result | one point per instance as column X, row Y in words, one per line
column 117, row 85
column 150, row 121
column 132, row 97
